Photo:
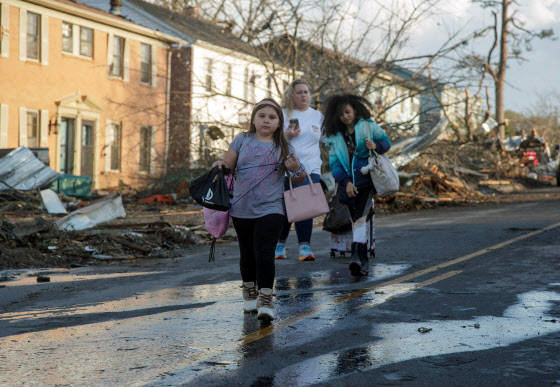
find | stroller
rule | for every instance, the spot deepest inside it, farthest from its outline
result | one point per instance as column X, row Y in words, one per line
column 341, row 241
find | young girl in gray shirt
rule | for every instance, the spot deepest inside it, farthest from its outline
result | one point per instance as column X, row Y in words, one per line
column 262, row 156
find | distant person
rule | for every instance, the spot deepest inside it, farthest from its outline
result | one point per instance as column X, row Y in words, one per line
column 262, row 157
column 302, row 127
column 346, row 122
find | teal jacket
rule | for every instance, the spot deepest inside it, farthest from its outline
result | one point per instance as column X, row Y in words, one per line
column 344, row 169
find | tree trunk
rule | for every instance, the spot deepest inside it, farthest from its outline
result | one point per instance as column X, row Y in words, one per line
column 501, row 76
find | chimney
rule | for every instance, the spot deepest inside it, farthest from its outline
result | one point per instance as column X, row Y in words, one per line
column 116, row 7
column 191, row 11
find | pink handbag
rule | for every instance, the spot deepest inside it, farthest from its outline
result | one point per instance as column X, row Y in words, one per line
column 305, row 202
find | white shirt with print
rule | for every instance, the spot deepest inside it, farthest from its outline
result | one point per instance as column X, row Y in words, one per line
column 306, row 145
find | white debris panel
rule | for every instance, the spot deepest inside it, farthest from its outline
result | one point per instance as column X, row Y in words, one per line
column 105, row 209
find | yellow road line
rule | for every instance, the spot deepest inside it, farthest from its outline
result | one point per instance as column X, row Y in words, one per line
column 282, row 324
column 414, row 287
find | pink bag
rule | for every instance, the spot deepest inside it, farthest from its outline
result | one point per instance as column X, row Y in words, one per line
column 216, row 221
column 305, row 202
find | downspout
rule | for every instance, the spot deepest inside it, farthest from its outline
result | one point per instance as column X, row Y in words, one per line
column 167, row 108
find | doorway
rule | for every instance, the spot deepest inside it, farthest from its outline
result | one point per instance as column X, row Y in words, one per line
column 87, row 148
column 67, row 136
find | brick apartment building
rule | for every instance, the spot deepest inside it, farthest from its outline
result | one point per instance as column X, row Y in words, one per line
column 89, row 85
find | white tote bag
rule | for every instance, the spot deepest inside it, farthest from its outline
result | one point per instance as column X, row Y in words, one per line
column 382, row 172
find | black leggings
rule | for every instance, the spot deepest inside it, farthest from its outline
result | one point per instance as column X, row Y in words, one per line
column 257, row 240
column 363, row 203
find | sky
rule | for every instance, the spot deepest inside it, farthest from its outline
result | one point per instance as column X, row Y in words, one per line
column 540, row 74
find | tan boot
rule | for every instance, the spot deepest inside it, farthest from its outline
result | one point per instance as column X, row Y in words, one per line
column 265, row 305
column 250, row 295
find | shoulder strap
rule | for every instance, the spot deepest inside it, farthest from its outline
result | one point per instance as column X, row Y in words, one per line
column 369, row 136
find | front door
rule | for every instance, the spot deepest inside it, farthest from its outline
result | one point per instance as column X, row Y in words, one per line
column 67, row 135
column 87, row 149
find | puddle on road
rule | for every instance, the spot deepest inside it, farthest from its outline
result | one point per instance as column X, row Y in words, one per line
column 29, row 277
column 318, row 281
column 525, row 320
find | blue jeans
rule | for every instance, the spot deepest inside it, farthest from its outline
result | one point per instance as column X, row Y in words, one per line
column 305, row 227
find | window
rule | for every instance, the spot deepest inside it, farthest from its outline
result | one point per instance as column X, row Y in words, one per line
column 145, row 148
column 118, row 57
column 33, row 35
column 32, row 129
column 4, row 26
column 246, row 84
column 252, row 84
column 228, row 79
column 208, row 65
column 114, row 143
column 67, row 38
column 86, row 42
column 145, row 63
column 269, row 86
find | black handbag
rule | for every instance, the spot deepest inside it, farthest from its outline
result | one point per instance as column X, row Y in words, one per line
column 211, row 191
column 338, row 219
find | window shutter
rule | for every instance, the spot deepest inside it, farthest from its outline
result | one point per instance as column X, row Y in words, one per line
column 22, row 34
column 44, row 40
column 44, row 129
column 22, row 126
column 3, row 126
column 108, row 129
column 126, row 61
column 5, row 23
column 154, row 66
column 109, row 53
column 153, row 151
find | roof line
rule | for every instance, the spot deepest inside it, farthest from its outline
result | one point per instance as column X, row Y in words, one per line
column 160, row 22
column 105, row 18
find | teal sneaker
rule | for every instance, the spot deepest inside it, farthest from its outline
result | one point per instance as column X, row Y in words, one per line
column 280, row 252
column 305, row 253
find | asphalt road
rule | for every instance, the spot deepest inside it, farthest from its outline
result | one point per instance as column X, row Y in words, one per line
column 456, row 296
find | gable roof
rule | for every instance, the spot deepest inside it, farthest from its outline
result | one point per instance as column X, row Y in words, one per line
column 189, row 28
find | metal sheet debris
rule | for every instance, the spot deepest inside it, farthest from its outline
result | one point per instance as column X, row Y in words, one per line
column 22, row 171
column 108, row 208
column 411, row 151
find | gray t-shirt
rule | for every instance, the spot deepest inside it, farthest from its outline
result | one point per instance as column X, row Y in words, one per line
column 256, row 161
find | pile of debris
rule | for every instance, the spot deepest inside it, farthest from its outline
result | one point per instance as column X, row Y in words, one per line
column 31, row 238
column 42, row 228
column 446, row 173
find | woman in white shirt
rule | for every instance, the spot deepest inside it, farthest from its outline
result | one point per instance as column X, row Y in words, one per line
column 302, row 127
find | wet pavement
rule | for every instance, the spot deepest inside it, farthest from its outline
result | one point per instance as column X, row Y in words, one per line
column 457, row 296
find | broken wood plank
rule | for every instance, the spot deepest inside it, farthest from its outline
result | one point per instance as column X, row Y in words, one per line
column 131, row 245
column 494, row 182
column 470, row 172
column 127, row 225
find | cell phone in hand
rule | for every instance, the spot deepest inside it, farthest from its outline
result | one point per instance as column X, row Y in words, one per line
column 294, row 122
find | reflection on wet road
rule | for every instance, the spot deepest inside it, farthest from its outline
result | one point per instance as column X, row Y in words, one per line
column 147, row 330
column 399, row 342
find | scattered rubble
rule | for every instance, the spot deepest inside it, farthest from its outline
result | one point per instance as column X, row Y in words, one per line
column 43, row 229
